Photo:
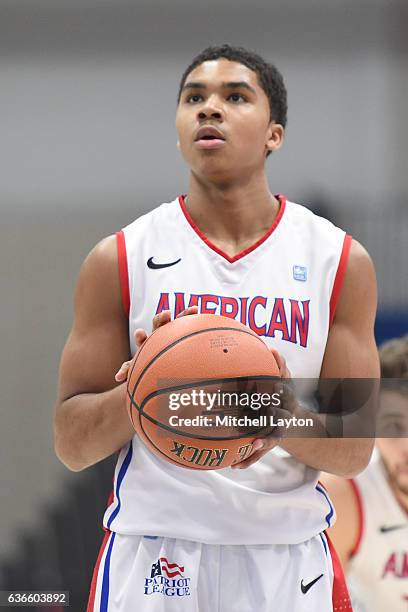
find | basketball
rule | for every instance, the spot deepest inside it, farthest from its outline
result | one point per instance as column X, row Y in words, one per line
column 177, row 387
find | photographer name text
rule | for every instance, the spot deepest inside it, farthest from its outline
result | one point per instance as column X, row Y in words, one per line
column 217, row 420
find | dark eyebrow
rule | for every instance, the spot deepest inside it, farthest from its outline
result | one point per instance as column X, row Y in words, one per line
column 230, row 85
column 239, row 84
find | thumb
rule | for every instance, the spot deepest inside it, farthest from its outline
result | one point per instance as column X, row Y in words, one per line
column 122, row 373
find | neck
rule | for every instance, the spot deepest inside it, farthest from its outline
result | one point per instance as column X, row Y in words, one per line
column 234, row 212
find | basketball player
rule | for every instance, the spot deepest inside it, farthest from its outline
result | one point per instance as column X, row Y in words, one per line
column 371, row 532
column 234, row 540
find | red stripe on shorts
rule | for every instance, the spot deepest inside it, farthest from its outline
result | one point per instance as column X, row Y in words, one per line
column 92, row 592
column 340, row 595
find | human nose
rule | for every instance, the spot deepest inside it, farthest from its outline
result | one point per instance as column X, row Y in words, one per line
column 211, row 108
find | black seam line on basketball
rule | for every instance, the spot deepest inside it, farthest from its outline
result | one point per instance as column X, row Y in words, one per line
column 167, row 348
column 173, row 430
column 148, row 437
column 158, row 448
column 150, row 440
column 205, row 382
column 196, row 333
column 141, row 411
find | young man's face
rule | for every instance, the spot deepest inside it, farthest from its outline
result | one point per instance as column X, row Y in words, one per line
column 227, row 97
column 394, row 451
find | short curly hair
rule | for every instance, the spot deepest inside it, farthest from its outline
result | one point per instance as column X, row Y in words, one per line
column 394, row 358
column 269, row 77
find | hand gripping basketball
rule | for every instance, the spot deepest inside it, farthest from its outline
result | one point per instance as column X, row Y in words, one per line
column 261, row 446
column 212, row 356
column 141, row 336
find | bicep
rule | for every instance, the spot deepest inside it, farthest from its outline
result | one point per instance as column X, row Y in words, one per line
column 98, row 342
column 351, row 350
column 351, row 353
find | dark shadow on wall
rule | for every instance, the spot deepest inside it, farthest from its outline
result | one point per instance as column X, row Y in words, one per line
column 61, row 555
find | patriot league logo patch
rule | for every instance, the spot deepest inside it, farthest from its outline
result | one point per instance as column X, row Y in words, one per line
column 167, row 579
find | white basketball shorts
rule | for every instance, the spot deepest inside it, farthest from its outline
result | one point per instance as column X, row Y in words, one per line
column 155, row 574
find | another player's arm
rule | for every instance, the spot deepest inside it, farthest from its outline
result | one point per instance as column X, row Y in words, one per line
column 346, row 530
column 90, row 420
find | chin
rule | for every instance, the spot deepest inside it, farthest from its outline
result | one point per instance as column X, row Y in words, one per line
column 214, row 169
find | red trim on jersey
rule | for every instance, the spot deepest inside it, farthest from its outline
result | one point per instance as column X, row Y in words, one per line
column 282, row 201
column 360, row 511
column 123, row 271
column 340, row 594
column 111, row 497
column 338, row 281
column 92, row 593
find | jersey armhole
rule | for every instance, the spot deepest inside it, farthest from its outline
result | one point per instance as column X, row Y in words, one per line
column 339, row 278
column 123, row 271
column 360, row 511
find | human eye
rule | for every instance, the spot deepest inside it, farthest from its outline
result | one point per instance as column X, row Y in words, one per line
column 237, row 97
column 393, row 429
column 193, row 98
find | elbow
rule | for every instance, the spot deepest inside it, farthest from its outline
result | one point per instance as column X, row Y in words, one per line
column 350, row 473
column 354, row 470
column 67, row 457
column 360, row 452
column 71, row 463
column 64, row 449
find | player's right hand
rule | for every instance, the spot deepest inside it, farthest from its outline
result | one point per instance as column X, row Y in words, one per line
column 141, row 336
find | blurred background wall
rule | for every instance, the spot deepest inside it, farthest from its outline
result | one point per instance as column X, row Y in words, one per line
column 87, row 102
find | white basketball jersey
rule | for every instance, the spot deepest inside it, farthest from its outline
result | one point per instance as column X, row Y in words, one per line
column 378, row 570
column 285, row 288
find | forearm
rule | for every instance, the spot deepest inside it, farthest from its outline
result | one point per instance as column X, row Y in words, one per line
column 340, row 444
column 341, row 456
column 89, row 427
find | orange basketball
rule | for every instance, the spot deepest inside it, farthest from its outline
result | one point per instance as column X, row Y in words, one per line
column 191, row 390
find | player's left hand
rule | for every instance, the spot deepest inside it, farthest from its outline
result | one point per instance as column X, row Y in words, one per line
column 261, row 446
column 141, row 336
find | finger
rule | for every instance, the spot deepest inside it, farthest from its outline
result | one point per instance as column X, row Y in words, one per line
column 260, row 447
column 161, row 319
column 140, row 336
column 281, row 361
column 266, row 443
column 122, row 373
column 188, row 311
column 253, row 458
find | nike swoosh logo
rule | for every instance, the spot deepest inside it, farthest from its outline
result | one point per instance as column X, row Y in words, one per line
column 387, row 528
column 305, row 587
column 157, row 266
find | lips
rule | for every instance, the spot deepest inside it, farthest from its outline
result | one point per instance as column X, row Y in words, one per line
column 209, row 138
column 209, row 133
